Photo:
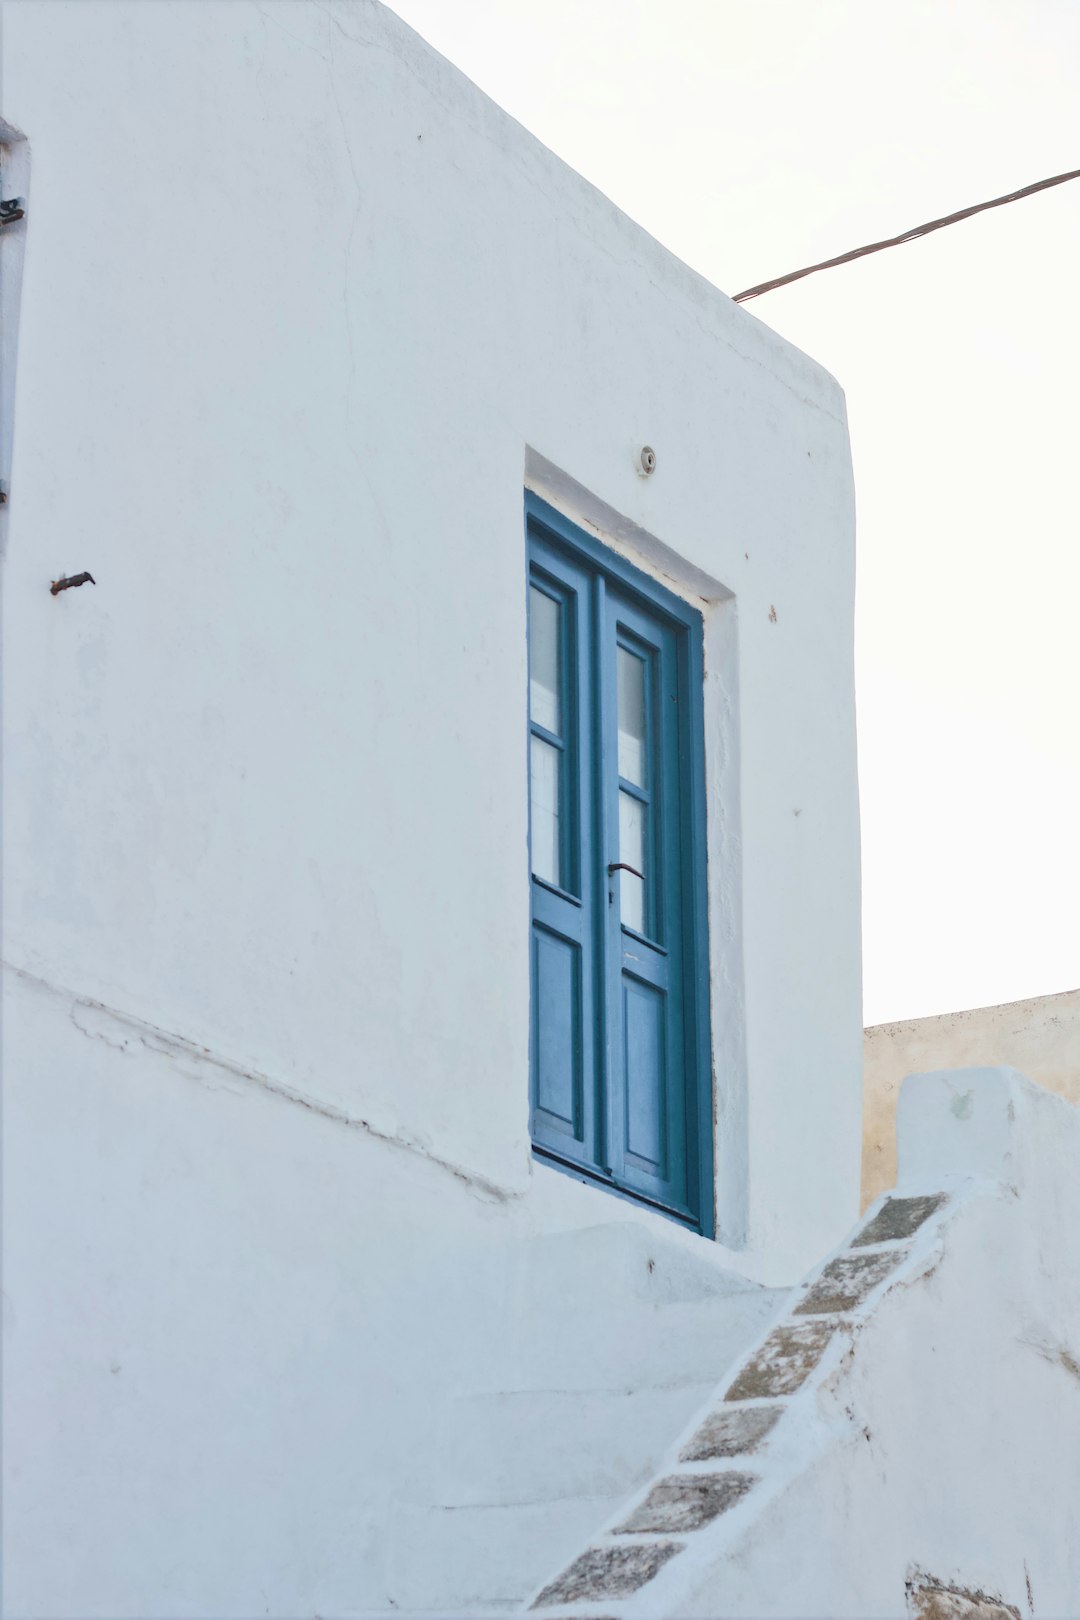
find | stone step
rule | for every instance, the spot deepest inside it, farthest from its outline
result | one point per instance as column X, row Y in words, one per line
column 488, row 1559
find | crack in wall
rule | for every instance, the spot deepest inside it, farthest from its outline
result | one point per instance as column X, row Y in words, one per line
column 1058, row 1355
column 167, row 1044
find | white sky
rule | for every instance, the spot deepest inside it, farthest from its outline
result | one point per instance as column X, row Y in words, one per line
column 755, row 136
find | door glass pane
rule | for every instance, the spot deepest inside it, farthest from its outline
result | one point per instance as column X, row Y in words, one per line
column 544, row 766
column 544, row 627
column 631, row 701
column 632, row 815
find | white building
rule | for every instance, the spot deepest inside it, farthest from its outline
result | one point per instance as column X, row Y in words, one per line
column 377, row 1214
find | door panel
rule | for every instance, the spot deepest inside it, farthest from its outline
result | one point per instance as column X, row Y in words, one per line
column 557, row 1060
column 645, row 1077
column 565, row 1031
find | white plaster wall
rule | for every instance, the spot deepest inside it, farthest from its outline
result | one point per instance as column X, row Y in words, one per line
column 301, row 312
column 257, row 1361
column 298, row 301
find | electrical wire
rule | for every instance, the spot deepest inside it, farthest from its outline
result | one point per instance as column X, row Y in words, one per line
column 907, row 236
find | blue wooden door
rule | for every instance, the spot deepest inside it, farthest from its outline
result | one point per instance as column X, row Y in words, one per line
column 619, row 1063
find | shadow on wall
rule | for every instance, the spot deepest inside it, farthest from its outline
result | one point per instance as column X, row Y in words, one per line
column 1040, row 1037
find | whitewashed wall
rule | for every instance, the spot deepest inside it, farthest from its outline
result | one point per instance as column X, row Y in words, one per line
column 301, row 313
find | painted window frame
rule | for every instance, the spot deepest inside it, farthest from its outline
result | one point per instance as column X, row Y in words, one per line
column 549, row 531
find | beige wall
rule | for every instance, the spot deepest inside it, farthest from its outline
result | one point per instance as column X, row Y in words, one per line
column 1040, row 1037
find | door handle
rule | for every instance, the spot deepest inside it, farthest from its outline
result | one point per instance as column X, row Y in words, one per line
column 624, row 866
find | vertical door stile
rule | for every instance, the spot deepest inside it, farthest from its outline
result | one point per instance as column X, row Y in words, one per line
column 616, row 1094
column 695, row 937
column 670, row 810
column 607, row 1127
column 584, row 748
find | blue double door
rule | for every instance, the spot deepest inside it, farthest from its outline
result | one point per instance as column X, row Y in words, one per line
column 619, row 1063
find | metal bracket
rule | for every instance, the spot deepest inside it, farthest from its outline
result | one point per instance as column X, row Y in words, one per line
column 65, row 584
column 11, row 209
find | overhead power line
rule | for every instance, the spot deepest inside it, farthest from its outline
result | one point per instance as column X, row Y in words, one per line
column 907, row 236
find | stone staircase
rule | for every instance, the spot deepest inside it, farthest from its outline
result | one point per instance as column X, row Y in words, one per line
column 745, row 1446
